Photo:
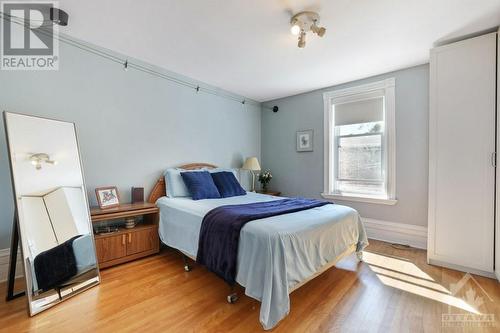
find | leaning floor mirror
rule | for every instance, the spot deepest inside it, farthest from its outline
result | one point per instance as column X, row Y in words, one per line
column 53, row 219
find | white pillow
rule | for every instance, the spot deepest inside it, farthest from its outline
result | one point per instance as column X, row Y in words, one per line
column 175, row 183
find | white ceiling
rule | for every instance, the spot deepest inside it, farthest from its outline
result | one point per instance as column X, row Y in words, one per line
column 245, row 46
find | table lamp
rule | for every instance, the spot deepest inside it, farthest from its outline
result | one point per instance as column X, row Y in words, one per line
column 252, row 164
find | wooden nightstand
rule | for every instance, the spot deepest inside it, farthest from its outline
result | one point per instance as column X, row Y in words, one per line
column 127, row 244
column 270, row 192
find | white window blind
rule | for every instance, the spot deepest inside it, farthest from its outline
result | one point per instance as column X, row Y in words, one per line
column 364, row 111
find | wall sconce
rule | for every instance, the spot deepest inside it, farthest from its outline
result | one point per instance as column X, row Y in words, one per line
column 38, row 159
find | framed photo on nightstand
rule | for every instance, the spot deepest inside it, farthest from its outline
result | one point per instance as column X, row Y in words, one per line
column 107, row 197
column 305, row 140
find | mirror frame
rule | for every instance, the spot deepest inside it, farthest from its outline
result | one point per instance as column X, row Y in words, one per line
column 28, row 282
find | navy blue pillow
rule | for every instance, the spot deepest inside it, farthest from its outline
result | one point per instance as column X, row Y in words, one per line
column 227, row 184
column 200, row 185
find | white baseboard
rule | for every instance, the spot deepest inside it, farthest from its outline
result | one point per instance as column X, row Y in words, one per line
column 4, row 264
column 400, row 233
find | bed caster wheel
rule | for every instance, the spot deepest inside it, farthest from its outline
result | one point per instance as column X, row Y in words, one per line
column 232, row 298
column 187, row 268
column 359, row 255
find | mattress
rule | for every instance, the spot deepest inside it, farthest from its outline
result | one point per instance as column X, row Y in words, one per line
column 275, row 253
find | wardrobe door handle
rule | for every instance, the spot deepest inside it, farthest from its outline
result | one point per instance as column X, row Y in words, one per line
column 130, row 238
column 123, row 240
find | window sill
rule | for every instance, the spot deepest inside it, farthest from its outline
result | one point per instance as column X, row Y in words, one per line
column 359, row 198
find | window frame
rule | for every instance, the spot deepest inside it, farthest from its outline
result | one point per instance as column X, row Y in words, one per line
column 386, row 90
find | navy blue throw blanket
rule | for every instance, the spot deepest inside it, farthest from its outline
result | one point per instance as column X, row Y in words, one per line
column 56, row 265
column 220, row 231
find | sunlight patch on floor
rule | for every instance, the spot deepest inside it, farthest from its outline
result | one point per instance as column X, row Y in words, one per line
column 406, row 276
column 410, row 279
column 395, row 264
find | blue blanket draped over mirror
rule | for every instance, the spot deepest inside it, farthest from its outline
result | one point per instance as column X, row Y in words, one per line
column 220, row 231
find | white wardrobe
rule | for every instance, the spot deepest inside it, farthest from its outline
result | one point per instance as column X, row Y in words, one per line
column 462, row 156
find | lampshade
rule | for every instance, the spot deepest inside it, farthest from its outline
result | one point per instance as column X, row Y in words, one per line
column 252, row 163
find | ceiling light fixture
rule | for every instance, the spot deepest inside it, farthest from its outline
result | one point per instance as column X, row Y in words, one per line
column 38, row 159
column 302, row 23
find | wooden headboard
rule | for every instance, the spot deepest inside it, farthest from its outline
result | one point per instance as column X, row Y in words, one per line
column 160, row 188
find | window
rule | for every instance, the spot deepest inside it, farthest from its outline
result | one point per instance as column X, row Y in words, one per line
column 359, row 143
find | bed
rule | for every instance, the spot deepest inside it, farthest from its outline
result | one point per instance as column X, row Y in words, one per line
column 276, row 255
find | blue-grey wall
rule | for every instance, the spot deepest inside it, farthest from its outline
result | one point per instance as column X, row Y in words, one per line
column 131, row 125
column 302, row 173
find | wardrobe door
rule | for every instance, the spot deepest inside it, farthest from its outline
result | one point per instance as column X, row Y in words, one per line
column 461, row 154
column 497, row 219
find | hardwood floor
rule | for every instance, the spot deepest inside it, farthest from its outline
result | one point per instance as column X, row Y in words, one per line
column 394, row 290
